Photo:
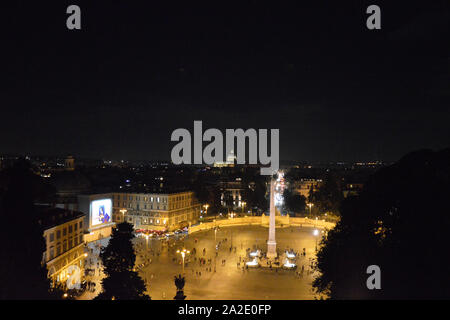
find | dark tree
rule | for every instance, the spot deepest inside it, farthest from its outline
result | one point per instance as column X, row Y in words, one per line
column 214, row 200
column 121, row 281
column 228, row 201
column 328, row 197
column 294, row 202
column 207, row 192
column 23, row 275
column 311, row 194
column 179, row 283
column 201, row 190
column 255, row 195
column 400, row 223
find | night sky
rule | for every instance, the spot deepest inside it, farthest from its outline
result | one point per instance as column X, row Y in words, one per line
column 140, row 69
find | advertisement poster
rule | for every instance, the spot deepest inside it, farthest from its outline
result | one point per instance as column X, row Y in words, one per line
column 101, row 211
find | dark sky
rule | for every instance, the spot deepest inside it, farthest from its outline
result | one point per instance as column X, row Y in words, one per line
column 140, row 69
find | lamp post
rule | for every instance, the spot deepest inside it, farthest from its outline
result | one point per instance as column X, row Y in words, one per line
column 146, row 245
column 215, row 243
column 183, row 253
column 310, row 208
column 206, row 206
column 316, row 234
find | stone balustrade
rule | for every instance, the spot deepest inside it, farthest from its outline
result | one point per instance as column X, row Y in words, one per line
column 280, row 221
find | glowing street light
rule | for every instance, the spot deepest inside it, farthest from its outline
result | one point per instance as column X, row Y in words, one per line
column 215, row 236
column 316, row 234
column 310, row 204
column 206, row 206
column 146, row 245
column 183, row 253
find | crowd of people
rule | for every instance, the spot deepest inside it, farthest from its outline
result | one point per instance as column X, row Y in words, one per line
column 199, row 262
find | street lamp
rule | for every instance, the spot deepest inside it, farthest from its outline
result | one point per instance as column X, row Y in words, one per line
column 310, row 208
column 146, row 245
column 215, row 243
column 183, row 254
column 316, row 234
column 206, row 206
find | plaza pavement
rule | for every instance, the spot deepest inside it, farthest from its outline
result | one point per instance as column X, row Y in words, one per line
column 228, row 282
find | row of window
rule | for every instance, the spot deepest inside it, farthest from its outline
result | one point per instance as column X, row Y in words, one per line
column 72, row 228
column 182, row 216
column 137, row 206
column 138, row 198
column 67, row 245
column 151, row 198
column 149, row 221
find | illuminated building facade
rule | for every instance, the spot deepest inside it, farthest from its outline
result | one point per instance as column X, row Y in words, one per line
column 303, row 186
column 64, row 238
column 156, row 211
column 235, row 190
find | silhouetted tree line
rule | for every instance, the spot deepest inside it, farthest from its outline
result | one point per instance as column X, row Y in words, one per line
column 399, row 222
column 293, row 202
column 121, row 281
column 328, row 197
column 22, row 272
column 254, row 194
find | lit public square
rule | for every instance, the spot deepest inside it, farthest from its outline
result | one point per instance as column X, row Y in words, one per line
column 158, row 262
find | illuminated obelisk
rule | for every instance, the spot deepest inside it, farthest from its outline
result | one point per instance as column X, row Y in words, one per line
column 271, row 243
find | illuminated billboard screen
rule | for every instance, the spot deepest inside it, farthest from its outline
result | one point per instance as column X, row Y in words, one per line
column 101, row 211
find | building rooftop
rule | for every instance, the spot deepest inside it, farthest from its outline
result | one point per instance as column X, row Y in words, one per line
column 50, row 217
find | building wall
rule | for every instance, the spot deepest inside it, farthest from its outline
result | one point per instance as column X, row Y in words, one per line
column 303, row 186
column 236, row 195
column 235, row 189
column 156, row 211
column 64, row 247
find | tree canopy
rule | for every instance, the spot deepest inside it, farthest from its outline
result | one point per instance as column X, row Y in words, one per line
column 328, row 197
column 22, row 272
column 399, row 222
column 294, row 202
column 121, row 281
